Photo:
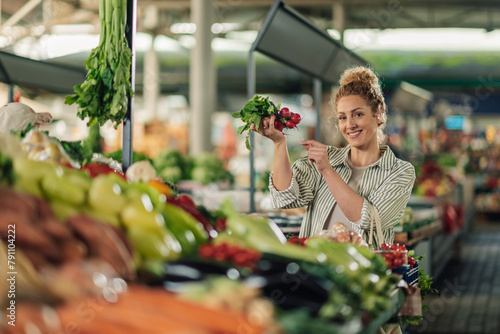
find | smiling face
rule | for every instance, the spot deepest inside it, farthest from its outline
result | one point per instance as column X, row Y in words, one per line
column 357, row 123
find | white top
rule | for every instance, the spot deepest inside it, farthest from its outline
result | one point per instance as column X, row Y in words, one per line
column 336, row 214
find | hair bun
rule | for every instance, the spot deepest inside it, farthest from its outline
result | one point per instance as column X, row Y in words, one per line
column 359, row 74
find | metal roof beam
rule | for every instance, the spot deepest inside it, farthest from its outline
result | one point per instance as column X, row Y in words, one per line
column 28, row 7
column 186, row 4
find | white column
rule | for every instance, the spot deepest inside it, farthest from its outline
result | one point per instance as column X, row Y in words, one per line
column 151, row 80
column 201, row 78
column 339, row 18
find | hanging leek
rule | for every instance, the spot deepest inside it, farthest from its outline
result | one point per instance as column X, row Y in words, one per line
column 104, row 94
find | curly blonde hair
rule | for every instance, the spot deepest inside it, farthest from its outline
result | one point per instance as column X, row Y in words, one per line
column 363, row 82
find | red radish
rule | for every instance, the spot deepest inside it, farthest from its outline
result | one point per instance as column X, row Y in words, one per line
column 290, row 124
column 285, row 112
column 296, row 118
column 278, row 125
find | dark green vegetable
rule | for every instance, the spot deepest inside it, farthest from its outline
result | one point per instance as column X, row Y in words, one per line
column 104, row 94
column 94, row 139
column 169, row 158
column 21, row 134
column 80, row 151
column 253, row 111
column 117, row 155
column 209, row 168
column 7, row 174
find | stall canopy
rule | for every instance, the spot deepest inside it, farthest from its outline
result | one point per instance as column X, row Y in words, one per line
column 29, row 73
column 292, row 39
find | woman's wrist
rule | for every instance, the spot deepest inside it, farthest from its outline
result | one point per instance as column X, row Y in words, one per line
column 280, row 142
column 327, row 171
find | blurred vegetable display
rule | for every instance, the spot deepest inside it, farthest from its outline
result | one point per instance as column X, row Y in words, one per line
column 117, row 155
column 172, row 165
column 206, row 168
column 72, row 222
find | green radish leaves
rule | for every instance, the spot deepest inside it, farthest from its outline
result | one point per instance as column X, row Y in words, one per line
column 253, row 111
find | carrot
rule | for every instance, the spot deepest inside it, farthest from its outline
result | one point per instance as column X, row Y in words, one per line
column 226, row 321
column 122, row 317
column 152, row 311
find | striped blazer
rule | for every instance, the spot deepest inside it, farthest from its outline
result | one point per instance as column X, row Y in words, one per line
column 386, row 185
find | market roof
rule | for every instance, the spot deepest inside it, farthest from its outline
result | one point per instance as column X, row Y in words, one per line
column 21, row 18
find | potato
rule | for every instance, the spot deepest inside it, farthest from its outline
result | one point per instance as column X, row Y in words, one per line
column 36, row 153
column 343, row 237
column 53, row 151
column 339, row 227
column 36, row 138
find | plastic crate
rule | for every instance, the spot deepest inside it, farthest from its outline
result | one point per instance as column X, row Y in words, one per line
column 410, row 276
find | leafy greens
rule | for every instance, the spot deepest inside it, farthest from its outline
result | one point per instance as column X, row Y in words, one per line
column 253, row 111
column 103, row 95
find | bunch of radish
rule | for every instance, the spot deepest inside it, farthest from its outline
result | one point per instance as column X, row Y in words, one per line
column 260, row 107
column 286, row 118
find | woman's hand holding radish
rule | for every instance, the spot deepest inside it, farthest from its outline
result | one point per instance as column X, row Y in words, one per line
column 267, row 129
column 316, row 152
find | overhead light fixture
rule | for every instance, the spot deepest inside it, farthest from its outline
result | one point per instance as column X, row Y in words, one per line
column 222, row 28
column 190, row 28
column 183, row 28
column 69, row 29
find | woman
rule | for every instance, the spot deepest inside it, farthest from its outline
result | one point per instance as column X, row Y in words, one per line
column 340, row 184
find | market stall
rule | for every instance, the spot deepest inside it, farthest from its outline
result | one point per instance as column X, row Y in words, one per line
column 75, row 235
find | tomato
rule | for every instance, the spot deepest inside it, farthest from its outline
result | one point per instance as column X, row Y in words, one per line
column 397, row 262
column 389, row 256
column 221, row 223
column 402, row 248
column 394, row 246
column 232, row 250
column 253, row 254
column 290, row 124
column 206, row 251
column 296, row 118
column 95, row 169
column 222, row 247
column 240, row 259
column 285, row 112
column 220, row 255
column 385, row 246
column 398, row 255
column 186, row 200
column 278, row 125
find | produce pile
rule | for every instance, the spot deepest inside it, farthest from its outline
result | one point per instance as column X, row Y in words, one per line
column 150, row 236
column 433, row 180
column 61, row 251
